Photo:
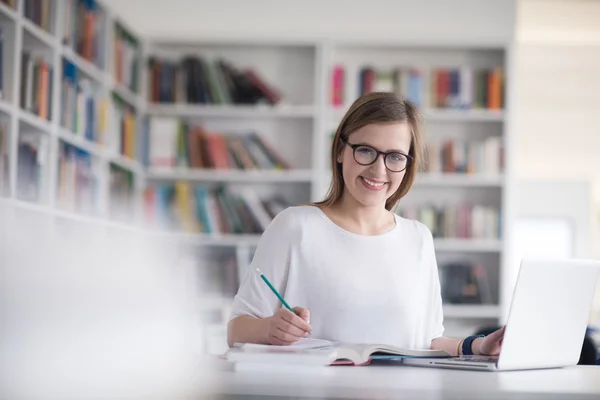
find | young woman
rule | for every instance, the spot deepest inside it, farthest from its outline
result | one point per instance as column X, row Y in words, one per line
column 356, row 271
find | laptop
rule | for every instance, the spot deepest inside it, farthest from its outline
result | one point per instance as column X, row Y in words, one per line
column 547, row 320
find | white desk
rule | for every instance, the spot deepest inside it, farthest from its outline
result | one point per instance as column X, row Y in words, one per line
column 383, row 382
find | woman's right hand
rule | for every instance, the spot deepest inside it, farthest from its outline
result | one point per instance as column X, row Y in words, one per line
column 285, row 327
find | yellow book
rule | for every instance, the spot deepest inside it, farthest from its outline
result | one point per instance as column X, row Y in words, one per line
column 185, row 208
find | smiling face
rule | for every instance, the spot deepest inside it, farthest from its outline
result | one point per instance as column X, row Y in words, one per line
column 371, row 185
column 384, row 121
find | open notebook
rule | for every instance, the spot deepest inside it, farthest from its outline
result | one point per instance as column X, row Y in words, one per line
column 322, row 352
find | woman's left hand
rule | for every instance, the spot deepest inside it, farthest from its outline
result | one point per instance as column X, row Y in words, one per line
column 491, row 344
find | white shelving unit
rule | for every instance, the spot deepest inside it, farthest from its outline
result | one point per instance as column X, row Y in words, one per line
column 446, row 115
column 231, row 111
column 459, row 180
column 299, row 127
column 172, row 174
column 312, row 124
column 21, row 34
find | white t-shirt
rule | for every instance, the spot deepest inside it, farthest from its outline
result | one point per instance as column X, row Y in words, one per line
column 381, row 289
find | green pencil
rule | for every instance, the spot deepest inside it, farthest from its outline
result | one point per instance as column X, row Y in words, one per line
column 264, row 278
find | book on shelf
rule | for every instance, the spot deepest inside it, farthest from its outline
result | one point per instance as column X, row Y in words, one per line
column 40, row 12
column 463, row 87
column 36, row 84
column 311, row 351
column 2, row 71
column 175, row 143
column 338, row 94
column 85, row 27
column 200, row 209
column 123, row 128
column 198, row 80
column 464, row 221
column 83, row 107
column 77, row 185
column 32, row 156
column 4, row 158
column 121, row 192
column 126, row 51
column 466, row 156
column 10, row 3
column 465, row 283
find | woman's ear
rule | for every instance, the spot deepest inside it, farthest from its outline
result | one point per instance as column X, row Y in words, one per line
column 340, row 156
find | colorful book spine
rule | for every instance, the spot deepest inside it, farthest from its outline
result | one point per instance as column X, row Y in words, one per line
column 200, row 80
column 202, row 209
column 337, row 90
column 466, row 156
column 463, row 221
column 36, row 84
column 77, row 180
column 126, row 50
column 175, row 143
column 463, row 87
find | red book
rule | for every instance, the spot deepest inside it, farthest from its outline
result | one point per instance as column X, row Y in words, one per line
column 272, row 96
column 337, row 95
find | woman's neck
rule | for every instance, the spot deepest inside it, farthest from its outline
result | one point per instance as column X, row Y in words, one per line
column 361, row 219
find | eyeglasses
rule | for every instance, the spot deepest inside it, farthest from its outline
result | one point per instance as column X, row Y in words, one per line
column 393, row 160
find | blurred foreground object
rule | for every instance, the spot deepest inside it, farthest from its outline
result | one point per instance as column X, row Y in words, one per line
column 90, row 309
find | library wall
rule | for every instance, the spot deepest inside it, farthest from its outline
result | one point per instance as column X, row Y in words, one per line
column 553, row 136
column 488, row 21
column 556, row 113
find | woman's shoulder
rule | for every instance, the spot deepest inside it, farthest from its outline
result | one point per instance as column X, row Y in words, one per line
column 294, row 217
column 299, row 211
column 414, row 227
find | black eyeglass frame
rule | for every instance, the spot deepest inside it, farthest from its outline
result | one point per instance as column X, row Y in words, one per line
column 409, row 158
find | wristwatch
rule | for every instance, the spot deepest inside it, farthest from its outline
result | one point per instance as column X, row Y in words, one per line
column 467, row 344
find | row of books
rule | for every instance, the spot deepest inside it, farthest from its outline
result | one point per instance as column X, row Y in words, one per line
column 31, row 160
column 123, row 128
column 36, row 85
column 85, row 112
column 126, row 58
column 198, row 80
column 464, row 221
column 85, row 27
column 175, row 143
column 4, row 158
column 200, row 209
column 465, row 283
column 466, row 156
column 83, row 107
column 463, row 88
column 77, row 185
column 40, row 12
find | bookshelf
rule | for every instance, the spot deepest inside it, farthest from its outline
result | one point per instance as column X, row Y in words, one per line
column 462, row 195
column 57, row 84
column 139, row 154
column 448, row 186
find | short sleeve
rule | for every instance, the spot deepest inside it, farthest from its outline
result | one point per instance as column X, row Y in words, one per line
column 272, row 257
column 435, row 307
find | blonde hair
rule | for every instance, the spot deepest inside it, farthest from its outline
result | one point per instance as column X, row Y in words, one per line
column 374, row 108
